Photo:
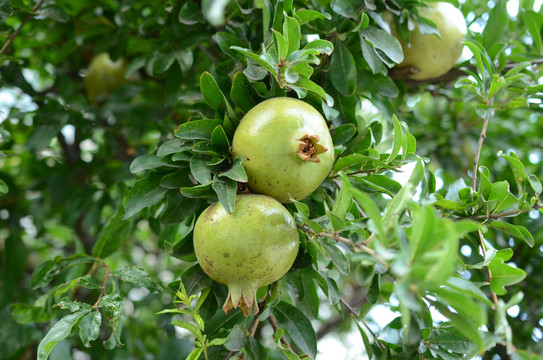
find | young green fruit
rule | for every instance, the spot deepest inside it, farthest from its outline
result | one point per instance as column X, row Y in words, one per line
column 431, row 55
column 286, row 147
column 252, row 247
column 103, row 77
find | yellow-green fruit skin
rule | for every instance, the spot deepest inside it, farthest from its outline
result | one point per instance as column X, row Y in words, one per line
column 252, row 247
column 103, row 77
column 267, row 140
column 432, row 55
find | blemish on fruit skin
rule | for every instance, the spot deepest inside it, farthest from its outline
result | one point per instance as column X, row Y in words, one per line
column 226, row 255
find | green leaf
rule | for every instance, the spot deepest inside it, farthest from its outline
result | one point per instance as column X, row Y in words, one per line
column 235, row 340
column 195, row 354
column 145, row 192
column 28, row 314
column 342, row 134
column 195, row 279
column 297, row 326
column 379, row 183
column 85, row 281
column 534, row 22
column 451, row 341
column 337, row 223
column 220, row 142
column 53, row 12
column 58, row 332
column 190, row 14
column 305, row 16
column 5, row 9
column 199, row 191
column 217, row 341
column 464, row 326
column 179, row 208
column 187, row 326
column 504, row 275
column 3, row 187
column 236, row 172
column 344, row 8
column 344, row 76
column 374, row 290
column 259, row 59
column 137, row 276
column 171, row 147
column 89, row 328
column 197, row 129
column 112, row 236
column 45, row 272
column 211, row 92
column 280, row 44
column 398, row 139
column 372, row 211
column 518, row 231
column 243, row 93
column 176, row 179
column 518, row 170
column 502, row 197
column 535, row 184
column 450, row 205
column 184, row 249
column 289, row 353
column 344, row 199
column 255, row 350
column 199, row 170
column 338, row 258
column 386, row 46
column 306, row 84
column 292, row 34
column 226, row 190
column 497, row 25
column 148, row 162
column 525, row 355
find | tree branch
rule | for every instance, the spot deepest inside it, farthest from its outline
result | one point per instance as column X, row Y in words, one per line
column 451, row 75
column 106, row 277
column 344, row 240
column 483, row 249
column 537, row 206
column 477, row 155
column 27, row 19
column 366, row 171
column 71, row 152
column 275, row 327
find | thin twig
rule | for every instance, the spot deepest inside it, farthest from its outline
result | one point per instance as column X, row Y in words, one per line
column 273, row 323
column 254, row 325
column 106, row 277
column 344, row 240
column 450, row 76
column 483, row 249
column 369, row 171
column 478, row 154
column 500, row 215
column 27, row 19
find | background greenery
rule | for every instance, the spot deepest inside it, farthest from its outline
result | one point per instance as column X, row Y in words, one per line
column 95, row 236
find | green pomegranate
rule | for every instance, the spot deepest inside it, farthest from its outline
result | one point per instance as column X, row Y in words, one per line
column 431, row 55
column 286, row 147
column 252, row 247
column 103, row 77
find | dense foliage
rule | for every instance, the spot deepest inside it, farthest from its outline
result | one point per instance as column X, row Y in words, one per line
column 98, row 199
